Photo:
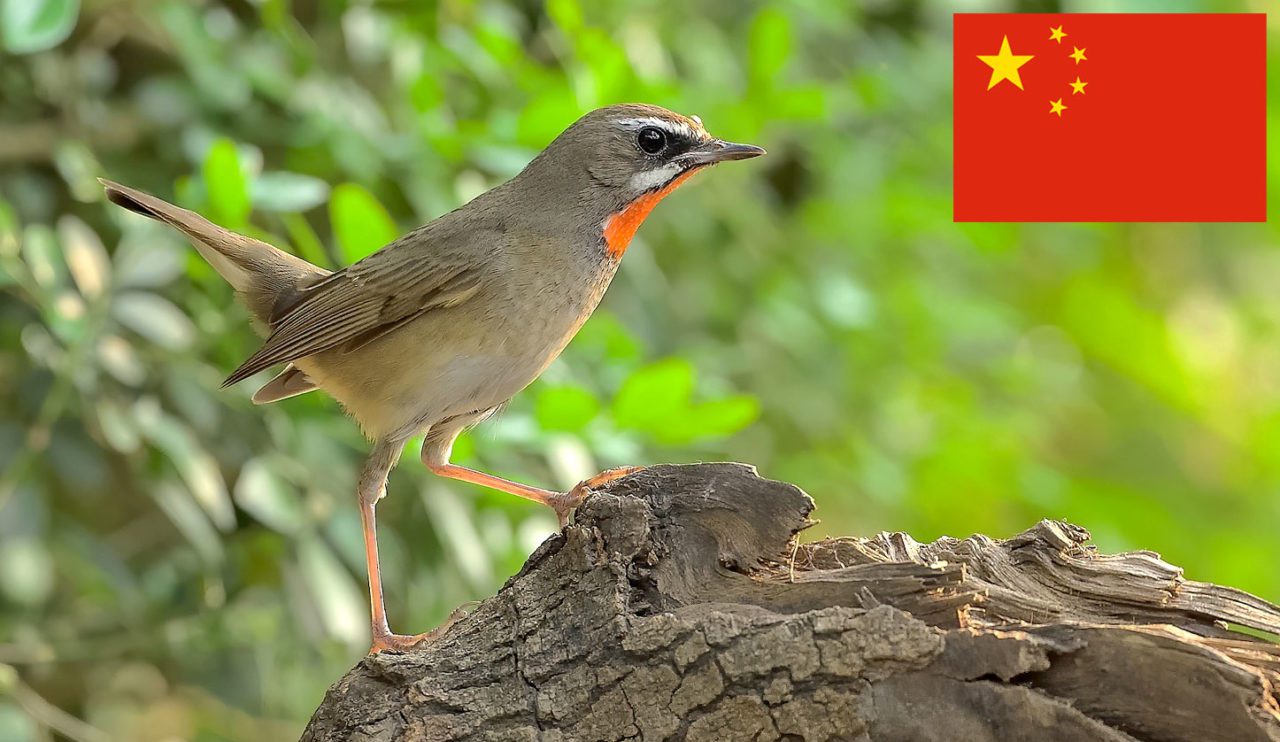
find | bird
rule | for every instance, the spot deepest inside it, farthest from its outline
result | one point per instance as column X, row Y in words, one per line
column 439, row 329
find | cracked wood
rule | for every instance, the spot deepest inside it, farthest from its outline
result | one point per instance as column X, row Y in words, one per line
column 680, row 606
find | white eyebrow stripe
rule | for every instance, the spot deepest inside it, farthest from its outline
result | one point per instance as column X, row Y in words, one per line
column 674, row 127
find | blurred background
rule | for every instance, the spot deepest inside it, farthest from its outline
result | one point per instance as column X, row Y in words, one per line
column 178, row 564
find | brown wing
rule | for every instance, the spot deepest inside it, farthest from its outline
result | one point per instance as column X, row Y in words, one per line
column 360, row 304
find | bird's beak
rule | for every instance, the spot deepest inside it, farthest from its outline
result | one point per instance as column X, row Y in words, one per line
column 715, row 150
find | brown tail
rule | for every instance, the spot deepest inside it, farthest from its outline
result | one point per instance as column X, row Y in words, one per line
column 261, row 274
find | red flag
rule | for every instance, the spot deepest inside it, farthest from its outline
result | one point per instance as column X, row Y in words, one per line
column 1110, row 117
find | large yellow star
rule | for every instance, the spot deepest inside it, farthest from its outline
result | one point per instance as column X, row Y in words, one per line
column 1077, row 86
column 1004, row 66
column 1077, row 54
column 1055, row 106
column 1056, row 34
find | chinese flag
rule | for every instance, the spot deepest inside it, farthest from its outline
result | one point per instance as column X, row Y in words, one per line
column 1110, row 117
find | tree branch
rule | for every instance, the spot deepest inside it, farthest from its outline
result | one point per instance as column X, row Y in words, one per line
column 678, row 606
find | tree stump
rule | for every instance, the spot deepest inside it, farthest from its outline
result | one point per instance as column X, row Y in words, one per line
column 679, row 605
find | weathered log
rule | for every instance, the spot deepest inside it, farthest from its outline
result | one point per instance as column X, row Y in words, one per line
column 680, row 605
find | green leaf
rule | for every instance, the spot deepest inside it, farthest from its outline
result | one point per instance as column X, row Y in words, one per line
column 225, row 182
column 304, row 239
column 197, row 467
column 768, row 45
column 715, row 419
column 1114, row 327
column 118, row 429
column 543, row 118
column 284, row 191
column 566, row 14
column 10, row 229
column 185, row 514
column 86, row 257
column 15, row 725
column 41, row 253
column 117, row 357
column 144, row 262
column 26, row 571
column 605, row 338
column 360, row 224
column 333, row 592
column 155, row 318
column 262, row 494
column 565, row 408
column 35, row 25
column 654, row 396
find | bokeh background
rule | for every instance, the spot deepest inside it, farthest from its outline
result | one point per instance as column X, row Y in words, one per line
column 178, row 564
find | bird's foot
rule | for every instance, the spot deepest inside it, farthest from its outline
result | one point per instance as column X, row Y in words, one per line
column 399, row 642
column 564, row 503
column 383, row 639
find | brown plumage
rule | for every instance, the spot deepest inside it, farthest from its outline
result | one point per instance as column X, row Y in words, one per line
column 440, row 328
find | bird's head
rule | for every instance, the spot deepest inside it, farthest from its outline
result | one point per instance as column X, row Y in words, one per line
column 628, row 157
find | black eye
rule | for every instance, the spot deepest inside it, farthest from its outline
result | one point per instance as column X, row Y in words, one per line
column 652, row 140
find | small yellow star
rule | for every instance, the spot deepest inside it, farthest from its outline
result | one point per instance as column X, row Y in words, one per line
column 1056, row 34
column 1077, row 86
column 1055, row 106
column 1078, row 54
column 1004, row 66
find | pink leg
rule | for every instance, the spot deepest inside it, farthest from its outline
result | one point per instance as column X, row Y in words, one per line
column 373, row 481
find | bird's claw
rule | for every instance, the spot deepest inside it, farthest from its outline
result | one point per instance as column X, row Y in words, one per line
column 404, row 642
column 565, row 503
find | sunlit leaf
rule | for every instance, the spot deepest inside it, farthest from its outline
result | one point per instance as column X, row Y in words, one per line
column 1112, row 327
column 35, row 25
column 79, row 169
column 360, row 224
column 454, row 520
column 304, row 239
column 714, row 419
column 570, row 459
column 198, row 469
column 333, row 591
column 10, row 229
column 155, row 318
column 142, row 261
column 284, row 191
column 567, row 15
column 654, row 395
column 26, row 570
column 769, row 44
column 187, row 516
column 226, row 184
column 85, row 256
column 566, row 408
column 43, row 258
column 266, row 497
column 15, row 724
column 799, row 103
column 604, row 337
column 119, row 359
column 543, row 118
column 118, row 428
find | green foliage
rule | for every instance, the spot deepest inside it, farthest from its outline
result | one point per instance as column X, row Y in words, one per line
column 656, row 400
column 226, row 184
column 288, row 192
column 565, row 408
column 35, row 25
column 176, row 562
column 360, row 224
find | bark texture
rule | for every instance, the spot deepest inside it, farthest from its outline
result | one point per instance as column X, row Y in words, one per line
column 680, row 605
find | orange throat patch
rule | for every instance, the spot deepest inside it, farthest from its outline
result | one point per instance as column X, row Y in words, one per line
column 621, row 227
